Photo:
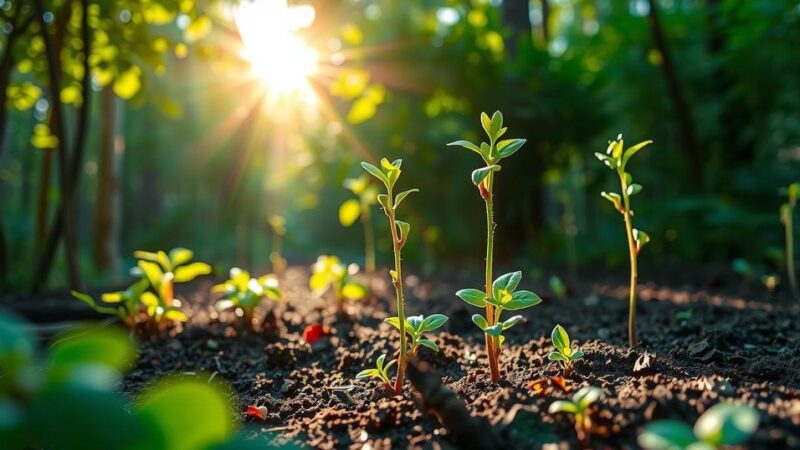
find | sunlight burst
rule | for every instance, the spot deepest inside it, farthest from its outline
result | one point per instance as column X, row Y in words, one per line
column 278, row 55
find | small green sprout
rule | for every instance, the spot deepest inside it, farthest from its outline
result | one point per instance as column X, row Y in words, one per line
column 163, row 270
column 579, row 407
column 417, row 326
column 564, row 353
column 388, row 174
column 124, row 304
column 153, row 295
column 787, row 213
column 380, row 371
column 329, row 273
column 723, row 424
column 361, row 208
column 616, row 158
column 241, row 292
column 483, row 178
column 504, row 296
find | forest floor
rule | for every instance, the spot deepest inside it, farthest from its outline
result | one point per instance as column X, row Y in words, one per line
column 697, row 348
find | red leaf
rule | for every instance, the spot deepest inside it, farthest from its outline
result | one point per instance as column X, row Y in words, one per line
column 315, row 332
column 259, row 412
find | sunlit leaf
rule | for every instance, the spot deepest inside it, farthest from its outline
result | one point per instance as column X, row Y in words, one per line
column 198, row 29
column 361, row 111
column 128, row 83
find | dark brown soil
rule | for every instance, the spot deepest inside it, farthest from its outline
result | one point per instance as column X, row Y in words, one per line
column 728, row 349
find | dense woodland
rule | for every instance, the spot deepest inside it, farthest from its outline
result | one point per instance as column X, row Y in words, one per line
column 140, row 125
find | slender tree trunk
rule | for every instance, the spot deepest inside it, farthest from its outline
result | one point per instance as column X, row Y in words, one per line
column 69, row 168
column 516, row 15
column 546, row 21
column 688, row 135
column 105, row 246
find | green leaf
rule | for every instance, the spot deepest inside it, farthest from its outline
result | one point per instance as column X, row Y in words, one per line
column 727, row 424
column 578, row 354
column 466, row 144
column 180, row 256
column 494, row 330
column 433, row 322
column 404, row 228
column 479, row 174
column 354, row 291
column 508, row 147
column 429, row 343
column 399, row 198
column 560, row 339
column 507, row 283
column 368, row 373
column 480, row 321
column 666, row 435
column 93, row 304
column 383, row 199
column 415, row 323
column 586, row 396
column 634, row 189
column 486, row 123
column 349, row 212
column 496, row 124
column 191, row 271
column 562, row 406
column 375, row 172
column 395, row 322
column 152, row 271
column 108, row 347
column 473, row 296
column 385, row 370
column 613, row 198
column 634, row 150
column 379, row 362
column 510, row 322
column 641, row 238
column 486, row 152
column 190, row 414
column 609, row 161
column 557, row 356
column 521, row 300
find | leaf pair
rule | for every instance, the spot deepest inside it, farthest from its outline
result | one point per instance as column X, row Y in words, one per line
column 616, row 157
column 240, row 290
column 496, row 149
column 380, row 371
column 388, row 173
column 417, row 326
column 329, row 272
column 497, row 329
column 564, row 352
column 504, row 294
column 580, row 402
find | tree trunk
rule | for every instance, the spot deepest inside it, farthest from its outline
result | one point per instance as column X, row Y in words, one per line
column 105, row 244
column 516, row 15
column 688, row 135
column 546, row 21
column 65, row 220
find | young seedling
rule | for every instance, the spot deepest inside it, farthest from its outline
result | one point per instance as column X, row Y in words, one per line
column 361, row 208
column 329, row 273
column 579, row 407
column 787, row 213
column 162, row 271
column 503, row 296
column 564, row 353
column 124, row 304
column 417, row 326
column 723, row 424
column 483, row 178
column 243, row 293
column 380, row 371
column 388, row 173
column 617, row 158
